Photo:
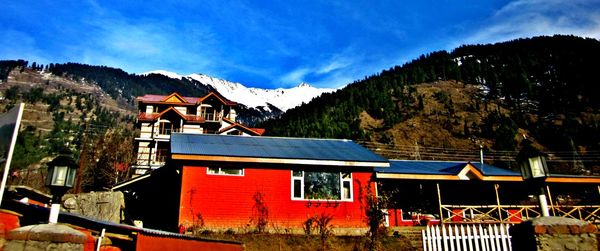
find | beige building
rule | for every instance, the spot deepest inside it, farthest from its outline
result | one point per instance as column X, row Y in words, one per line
column 161, row 115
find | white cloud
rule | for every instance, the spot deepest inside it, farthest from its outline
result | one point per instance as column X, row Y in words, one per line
column 143, row 45
column 295, row 76
column 336, row 63
column 528, row 18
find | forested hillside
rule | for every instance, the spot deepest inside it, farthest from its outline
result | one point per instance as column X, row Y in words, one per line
column 122, row 85
column 545, row 87
column 63, row 113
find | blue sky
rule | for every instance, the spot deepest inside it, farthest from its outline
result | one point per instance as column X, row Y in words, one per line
column 274, row 44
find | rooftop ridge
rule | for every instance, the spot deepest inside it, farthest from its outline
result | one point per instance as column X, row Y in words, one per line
column 263, row 137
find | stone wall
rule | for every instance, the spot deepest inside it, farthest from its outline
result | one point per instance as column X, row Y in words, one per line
column 554, row 233
column 106, row 206
column 45, row 237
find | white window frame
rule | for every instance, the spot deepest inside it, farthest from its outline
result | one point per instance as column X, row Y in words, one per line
column 348, row 179
column 219, row 172
column 301, row 179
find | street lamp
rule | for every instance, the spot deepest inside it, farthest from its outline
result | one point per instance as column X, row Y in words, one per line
column 61, row 177
column 534, row 170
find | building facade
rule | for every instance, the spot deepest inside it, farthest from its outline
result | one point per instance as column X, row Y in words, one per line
column 246, row 183
column 161, row 115
column 240, row 182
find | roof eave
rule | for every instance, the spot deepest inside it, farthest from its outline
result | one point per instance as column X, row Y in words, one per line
column 279, row 160
column 417, row 176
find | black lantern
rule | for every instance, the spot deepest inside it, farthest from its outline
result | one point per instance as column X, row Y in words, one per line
column 534, row 170
column 61, row 172
column 532, row 162
column 61, row 177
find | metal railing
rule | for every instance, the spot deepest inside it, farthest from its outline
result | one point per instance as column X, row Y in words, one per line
column 168, row 131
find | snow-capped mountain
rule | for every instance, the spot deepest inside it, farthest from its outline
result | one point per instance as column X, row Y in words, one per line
column 281, row 98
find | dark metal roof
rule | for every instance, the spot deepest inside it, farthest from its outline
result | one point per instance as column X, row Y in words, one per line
column 39, row 213
column 441, row 168
column 271, row 147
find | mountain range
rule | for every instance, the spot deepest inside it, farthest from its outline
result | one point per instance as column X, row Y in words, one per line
column 444, row 105
column 270, row 100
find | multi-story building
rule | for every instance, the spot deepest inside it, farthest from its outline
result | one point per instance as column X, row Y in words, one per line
column 161, row 115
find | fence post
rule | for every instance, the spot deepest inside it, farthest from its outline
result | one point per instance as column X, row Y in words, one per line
column 484, row 246
column 424, row 237
column 444, row 237
column 438, row 239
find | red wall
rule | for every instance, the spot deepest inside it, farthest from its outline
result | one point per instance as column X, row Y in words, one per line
column 227, row 201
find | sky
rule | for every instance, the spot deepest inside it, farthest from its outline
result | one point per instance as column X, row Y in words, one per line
column 271, row 44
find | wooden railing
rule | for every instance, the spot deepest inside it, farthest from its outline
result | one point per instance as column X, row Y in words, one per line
column 514, row 213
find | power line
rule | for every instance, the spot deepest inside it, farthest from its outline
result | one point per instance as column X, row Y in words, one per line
column 441, row 153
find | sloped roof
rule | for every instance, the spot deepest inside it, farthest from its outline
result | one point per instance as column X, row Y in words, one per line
column 128, row 234
column 333, row 152
column 154, row 116
column 457, row 170
column 233, row 124
column 448, row 170
column 219, row 97
column 152, row 98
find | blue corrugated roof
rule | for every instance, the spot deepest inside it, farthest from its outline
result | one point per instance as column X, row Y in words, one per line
column 271, row 147
column 440, row 168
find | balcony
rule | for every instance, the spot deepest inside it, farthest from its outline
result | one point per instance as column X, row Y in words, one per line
column 168, row 131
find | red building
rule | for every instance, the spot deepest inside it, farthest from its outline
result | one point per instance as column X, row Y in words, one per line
column 232, row 182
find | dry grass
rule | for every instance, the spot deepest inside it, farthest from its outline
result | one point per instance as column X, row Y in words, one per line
column 268, row 242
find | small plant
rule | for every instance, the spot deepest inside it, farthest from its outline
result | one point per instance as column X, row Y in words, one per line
column 260, row 213
column 321, row 223
column 308, row 225
column 197, row 225
column 376, row 218
column 325, row 230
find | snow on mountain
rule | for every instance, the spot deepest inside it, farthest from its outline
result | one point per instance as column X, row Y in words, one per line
column 281, row 98
column 166, row 73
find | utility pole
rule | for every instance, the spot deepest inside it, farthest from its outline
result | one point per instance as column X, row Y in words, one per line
column 417, row 154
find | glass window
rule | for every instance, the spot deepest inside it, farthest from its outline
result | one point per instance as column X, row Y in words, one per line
column 298, row 189
column 346, row 186
column 321, row 185
column 225, row 171
column 60, row 175
column 346, row 193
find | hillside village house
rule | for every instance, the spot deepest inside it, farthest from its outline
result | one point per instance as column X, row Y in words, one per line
column 222, row 182
column 161, row 115
column 205, row 174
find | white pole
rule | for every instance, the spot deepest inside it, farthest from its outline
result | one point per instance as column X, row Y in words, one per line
column 544, row 205
column 11, row 150
column 54, row 210
column 481, row 155
column 99, row 242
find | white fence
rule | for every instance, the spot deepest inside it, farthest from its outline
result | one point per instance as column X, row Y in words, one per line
column 480, row 237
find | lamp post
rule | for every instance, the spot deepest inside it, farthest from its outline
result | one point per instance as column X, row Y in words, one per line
column 534, row 171
column 61, row 177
